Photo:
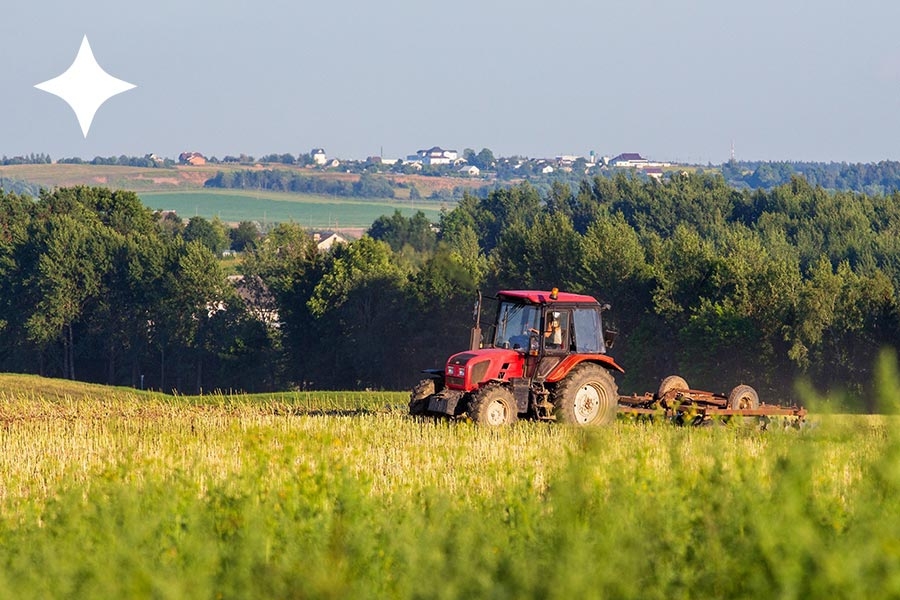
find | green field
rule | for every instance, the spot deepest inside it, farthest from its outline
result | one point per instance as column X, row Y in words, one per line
column 115, row 493
column 318, row 212
column 181, row 189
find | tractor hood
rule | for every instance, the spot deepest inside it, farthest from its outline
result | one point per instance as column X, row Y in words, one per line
column 466, row 370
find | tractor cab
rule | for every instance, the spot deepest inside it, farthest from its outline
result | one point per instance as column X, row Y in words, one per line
column 536, row 336
column 555, row 323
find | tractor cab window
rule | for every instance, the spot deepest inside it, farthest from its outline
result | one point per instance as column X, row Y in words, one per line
column 588, row 331
column 556, row 330
column 515, row 325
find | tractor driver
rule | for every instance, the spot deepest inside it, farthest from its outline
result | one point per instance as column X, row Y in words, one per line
column 553, row 332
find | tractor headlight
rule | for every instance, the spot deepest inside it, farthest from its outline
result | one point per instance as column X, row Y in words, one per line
column 456, row 371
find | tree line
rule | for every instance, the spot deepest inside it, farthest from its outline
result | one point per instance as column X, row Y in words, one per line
column 280, row 180
column 147, row 161
column 871, row 178
column 19, row 186
column 31, row 159
column 719, row 285
column 95, row 287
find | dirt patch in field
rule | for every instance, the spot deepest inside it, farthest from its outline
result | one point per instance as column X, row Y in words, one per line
column 192, row 177
column 177, row 180
column 424, row 182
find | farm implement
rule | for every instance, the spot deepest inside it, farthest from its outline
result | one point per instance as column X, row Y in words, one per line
column 546, row 358
column 677, row 402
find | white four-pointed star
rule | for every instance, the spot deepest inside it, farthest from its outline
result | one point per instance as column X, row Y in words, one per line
column 85, row 86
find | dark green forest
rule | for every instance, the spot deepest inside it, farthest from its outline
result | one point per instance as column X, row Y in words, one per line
column 279, row 180
column 720, row 285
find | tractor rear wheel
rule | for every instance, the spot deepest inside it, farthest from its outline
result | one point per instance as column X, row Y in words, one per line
column 587, row 396
column 493, row 406
column 418, row 399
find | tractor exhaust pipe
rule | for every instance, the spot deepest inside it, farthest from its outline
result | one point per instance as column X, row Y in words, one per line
column 475, row 338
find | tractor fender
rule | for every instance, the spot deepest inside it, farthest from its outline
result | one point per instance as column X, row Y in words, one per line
column 568, row 363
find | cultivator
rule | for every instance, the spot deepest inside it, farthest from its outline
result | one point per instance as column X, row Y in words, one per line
column 676, row 401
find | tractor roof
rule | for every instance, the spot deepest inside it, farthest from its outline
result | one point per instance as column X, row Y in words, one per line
column 542, row 297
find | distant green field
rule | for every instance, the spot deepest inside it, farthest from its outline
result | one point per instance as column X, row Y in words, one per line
column 274, row 207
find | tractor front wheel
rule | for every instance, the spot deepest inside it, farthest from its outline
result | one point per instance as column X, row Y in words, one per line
column 587, row 396
column 493, row 406
column 418, row 399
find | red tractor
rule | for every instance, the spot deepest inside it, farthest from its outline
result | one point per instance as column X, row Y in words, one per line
column 545, row 358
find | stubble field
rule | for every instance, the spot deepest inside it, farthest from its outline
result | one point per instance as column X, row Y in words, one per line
column 111, row 493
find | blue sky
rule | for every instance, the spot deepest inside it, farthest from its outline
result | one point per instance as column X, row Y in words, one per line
column 674, row 81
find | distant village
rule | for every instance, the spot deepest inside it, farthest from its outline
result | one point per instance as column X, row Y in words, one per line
column 440, row 161
column 435, row 161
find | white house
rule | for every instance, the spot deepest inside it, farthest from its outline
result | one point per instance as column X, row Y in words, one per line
column 470, row 170
column 258, row 298
column 653, row 173
column 194, row 159
column 325, row 242
column 631, row 160
column 437, row 156
column 318, row 156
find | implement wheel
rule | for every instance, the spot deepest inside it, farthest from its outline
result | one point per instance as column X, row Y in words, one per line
column 743, row 397
column 587, row 396
column 493, row 406
column 672, row 382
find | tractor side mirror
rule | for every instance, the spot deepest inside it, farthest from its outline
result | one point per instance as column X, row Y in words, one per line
column 609, row 337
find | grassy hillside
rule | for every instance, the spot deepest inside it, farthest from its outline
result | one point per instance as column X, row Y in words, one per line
column 34, row 395
column 14, row 385
column 126, row 178
column 184, row 177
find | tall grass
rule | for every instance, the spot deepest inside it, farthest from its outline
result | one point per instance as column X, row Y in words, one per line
column 313, row 496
